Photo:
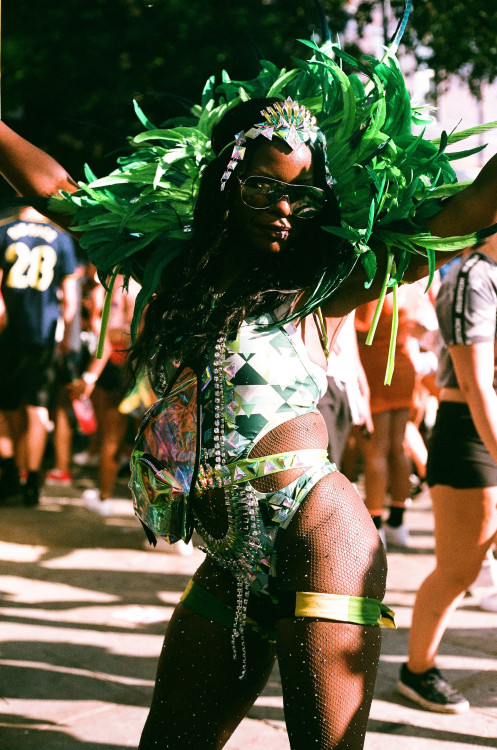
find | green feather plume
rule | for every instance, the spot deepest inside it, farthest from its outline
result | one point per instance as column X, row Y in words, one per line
column 388, row 178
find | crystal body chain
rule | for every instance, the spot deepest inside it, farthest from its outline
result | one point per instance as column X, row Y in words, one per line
column 238, row 549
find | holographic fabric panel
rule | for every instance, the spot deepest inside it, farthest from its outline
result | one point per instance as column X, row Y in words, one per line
column 163, row 460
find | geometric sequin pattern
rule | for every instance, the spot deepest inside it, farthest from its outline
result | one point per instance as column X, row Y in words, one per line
column 267, row 379
column 273, row 380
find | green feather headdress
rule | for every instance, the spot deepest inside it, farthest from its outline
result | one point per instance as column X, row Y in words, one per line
column 388, row 179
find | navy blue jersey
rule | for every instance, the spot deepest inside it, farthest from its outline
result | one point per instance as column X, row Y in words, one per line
column 35, row 257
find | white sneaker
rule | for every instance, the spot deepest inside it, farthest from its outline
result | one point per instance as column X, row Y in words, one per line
column 85, row 459
column 92, row 501
column 396, row 536
column 487, row 577
column 489, row 603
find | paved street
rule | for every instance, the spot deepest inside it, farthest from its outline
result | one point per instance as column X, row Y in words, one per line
column 83, row 608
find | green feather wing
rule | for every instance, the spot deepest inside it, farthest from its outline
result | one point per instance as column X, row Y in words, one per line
column 388, row 177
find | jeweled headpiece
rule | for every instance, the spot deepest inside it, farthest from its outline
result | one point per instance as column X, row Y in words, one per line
column 290, row 122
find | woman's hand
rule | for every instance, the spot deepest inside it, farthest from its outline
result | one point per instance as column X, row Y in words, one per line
column 80, row 388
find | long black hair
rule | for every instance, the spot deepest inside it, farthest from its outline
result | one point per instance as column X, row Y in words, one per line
column 182, row 321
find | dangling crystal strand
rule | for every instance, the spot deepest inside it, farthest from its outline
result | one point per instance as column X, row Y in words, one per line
column 219, row 406
column 237, row 550
column 220, row 459
column 242, row 595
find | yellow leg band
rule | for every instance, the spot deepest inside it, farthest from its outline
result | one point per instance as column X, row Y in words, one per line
column 356, row 609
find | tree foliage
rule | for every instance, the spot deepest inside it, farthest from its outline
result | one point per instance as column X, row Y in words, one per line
column 449, row 36
column 72, row 68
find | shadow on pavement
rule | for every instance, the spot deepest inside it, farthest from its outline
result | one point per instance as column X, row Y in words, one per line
column 18, row 733
column 392, row 729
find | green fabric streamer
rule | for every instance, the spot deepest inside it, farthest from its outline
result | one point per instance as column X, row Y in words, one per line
column 379, row 305
column 106, row 313
column 393, row 337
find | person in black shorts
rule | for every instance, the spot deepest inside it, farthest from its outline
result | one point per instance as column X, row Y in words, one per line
column 37, row 265
column 461, row 469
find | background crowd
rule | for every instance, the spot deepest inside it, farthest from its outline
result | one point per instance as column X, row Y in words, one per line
column 64, row 409
column 62, row 406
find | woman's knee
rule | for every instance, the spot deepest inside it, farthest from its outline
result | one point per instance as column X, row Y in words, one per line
column 459, row 577
column 331, row 545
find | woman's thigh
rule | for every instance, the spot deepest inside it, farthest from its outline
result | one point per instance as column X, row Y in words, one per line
column 327, row 667
column 331, row 545
column 465, row 524
column 199, row 698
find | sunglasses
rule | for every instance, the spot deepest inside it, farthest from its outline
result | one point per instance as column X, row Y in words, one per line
column 263, row 192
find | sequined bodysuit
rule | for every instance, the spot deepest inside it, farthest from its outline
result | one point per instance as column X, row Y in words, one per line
column 258, row 380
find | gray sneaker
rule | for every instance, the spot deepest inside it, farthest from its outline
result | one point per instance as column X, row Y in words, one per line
column 431, row 691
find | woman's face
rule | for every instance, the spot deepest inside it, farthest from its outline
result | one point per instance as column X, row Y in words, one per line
column 271, row 229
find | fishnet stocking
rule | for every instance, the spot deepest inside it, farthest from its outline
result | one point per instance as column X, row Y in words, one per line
column 306, row 431
column 328, row 672
column 198, row 699
column 328, row 669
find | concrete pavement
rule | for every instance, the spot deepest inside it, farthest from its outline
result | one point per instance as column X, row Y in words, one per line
column 83, row 607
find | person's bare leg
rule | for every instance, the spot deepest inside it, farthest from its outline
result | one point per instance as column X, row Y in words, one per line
column 398, row 462
column 111, row 433
column 36, row 436
column 375, row 450
column 62, row 437
column 9, row 477
column 17, row 425
column 415, row 448
column 465, row 527
column 6, row 439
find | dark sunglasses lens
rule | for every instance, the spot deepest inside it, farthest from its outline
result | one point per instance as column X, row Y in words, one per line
column 306, row 202
column 260, row 193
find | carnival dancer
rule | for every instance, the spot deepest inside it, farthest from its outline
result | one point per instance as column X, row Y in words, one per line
column 242, row 283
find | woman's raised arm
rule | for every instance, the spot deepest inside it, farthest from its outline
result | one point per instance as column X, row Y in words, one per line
column 473, row 209
column 31, row 171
